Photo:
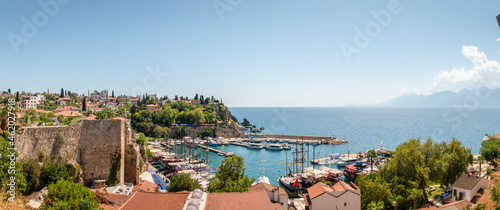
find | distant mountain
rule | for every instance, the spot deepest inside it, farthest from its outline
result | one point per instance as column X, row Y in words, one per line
column 482, row 97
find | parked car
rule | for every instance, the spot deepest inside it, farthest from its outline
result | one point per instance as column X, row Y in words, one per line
column 446, row 195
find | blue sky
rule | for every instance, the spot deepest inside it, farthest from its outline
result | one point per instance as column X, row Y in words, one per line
column 255, row 53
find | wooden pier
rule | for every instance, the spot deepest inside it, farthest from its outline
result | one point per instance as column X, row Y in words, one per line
column 226, row 154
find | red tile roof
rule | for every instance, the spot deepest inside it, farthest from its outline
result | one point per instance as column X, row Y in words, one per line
column 68, row 114
column 268, row 187
column 318, row 189
column 341, row 186
column 239, row 201
column 496, row 136
column 146, row 186
column 148, row 200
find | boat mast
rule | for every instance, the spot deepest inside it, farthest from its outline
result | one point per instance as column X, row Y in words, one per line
column 263, row 164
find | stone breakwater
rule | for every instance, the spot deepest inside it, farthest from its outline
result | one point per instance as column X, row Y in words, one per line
column 322, row 139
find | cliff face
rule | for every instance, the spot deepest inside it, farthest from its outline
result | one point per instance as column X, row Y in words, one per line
column 89, row 144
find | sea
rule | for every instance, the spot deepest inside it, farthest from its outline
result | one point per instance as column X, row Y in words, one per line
column 364, row 128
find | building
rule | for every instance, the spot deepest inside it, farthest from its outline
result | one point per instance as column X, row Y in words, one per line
column 466, row 187
column 64, row 101
column 339, row 196
column 101, row 96
column 276, row 195
column 151, row 96
column 152, row 107
column 32, row 101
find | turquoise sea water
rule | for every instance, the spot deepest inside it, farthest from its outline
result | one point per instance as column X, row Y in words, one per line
column 364, row 128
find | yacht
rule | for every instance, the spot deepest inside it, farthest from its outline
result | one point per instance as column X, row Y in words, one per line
column 254, row 146
column 274, row 147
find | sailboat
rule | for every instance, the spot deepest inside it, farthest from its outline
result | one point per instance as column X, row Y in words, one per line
column 263, row 178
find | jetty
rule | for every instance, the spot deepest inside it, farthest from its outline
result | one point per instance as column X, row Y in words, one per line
column 307, row 139
column 227, row 154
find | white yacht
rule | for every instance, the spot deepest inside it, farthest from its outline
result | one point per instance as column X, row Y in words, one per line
column 274, row 147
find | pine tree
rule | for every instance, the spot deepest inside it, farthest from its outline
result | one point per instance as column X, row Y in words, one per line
column 62, row 93
column 84, row 105
column 112, row 94
column 17, row 96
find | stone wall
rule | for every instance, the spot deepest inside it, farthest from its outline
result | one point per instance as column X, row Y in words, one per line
column 34, row 141
column 89, row 143
column 98, row 140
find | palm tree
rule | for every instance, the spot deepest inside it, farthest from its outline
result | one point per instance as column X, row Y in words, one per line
column 414, row 194
column 480, row 159
column 376, row 205
column 394, row 200
column 371, row 154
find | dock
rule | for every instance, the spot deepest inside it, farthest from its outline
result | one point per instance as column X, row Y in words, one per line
column 306, row 139
column 226, row 154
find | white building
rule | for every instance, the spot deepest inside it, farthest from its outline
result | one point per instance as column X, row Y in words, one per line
column 467, row 186
column 32, row 101
column 101, row 96
column 339, row 196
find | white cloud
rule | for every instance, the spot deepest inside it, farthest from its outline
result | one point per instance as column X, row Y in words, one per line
column 483, row 73
column 404, row 89
column 498, row 40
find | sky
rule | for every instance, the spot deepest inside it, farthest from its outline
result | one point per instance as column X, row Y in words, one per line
column 251, row 53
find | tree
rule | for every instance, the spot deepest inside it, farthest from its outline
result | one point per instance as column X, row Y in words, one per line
column 112, row 93
column 371, row 154
column 414, row 194
column 373, row 188
column 141, row 140
column 17, row 96
column 180, row 182
column 182, row 131
column 394, row 200
column 196, row 97
column 106, row 113
column 6, row 167
column 207, row 132
column 489, row 149
column 84, row 105
column 456, row 158
column 376, row 205
column 68, row 195
column 62, row 93
column 159, row 131
column 231, row 176
column 32, row 172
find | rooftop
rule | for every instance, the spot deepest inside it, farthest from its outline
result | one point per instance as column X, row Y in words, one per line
column 239, row 201
column 149, row 200
column 466, row 181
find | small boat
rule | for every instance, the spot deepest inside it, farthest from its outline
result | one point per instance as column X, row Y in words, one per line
column 315, row 143
column 351, row 172
column 254, row 146
column 274, row 147
column 286, row 147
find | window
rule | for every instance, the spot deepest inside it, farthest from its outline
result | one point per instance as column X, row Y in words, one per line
column 454, row 192
column 345, row 204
